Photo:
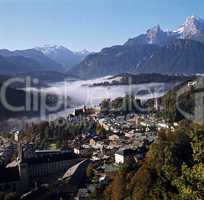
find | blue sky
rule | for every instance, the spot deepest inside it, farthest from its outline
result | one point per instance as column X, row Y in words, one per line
column 90, row 24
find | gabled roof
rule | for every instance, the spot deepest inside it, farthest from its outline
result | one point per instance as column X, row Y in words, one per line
column 49, row 158
column 72, row 170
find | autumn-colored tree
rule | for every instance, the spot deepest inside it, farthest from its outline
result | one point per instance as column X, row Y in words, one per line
column 169, row 101
column 118, row 187
column 90, row 171
column 191, row 182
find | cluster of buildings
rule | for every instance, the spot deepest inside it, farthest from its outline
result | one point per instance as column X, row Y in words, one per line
column 33, row 167
column 123, row 138
column 130, row 132
column 127, row 138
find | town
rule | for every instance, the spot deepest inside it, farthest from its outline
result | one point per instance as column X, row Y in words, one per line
column 101, row 100
column 76, row 157
column 106, row 141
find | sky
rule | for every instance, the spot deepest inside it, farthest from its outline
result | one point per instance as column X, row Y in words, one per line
column 87, row 24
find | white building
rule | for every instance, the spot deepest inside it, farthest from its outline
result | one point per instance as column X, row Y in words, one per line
column 122, row 156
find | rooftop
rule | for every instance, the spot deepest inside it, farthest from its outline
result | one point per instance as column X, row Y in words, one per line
column 125, row 152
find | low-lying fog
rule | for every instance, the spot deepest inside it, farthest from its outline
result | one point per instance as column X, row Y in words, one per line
column 81, row 93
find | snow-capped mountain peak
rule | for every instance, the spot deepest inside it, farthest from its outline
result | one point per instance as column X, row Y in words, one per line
column 63, row 55
column 83, row 52
column 47, row 49
column 192, row 26
column 155, row 29
column 154, row 33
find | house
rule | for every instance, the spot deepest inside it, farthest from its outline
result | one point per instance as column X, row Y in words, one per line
column 104, row 124
column 82, row 194
column 66, row 186
column 83, row 150
column 47, row 162
column 130, row 134
column 104, row 180
column 83, row 111
column 121, row 156
column 92, row 142
column 74, row 177
column 114, row 137
column 79, row 112
column 42, row 163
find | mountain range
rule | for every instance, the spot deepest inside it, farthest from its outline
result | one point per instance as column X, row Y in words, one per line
column 193, row 29
column 157, row 51
column 47, row 58
column 62, row 55
column 21, row 61
column 180, row 51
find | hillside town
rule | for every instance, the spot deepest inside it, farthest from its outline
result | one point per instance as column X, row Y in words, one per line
column 116, row 139
column 103, row 142
column 102, row 100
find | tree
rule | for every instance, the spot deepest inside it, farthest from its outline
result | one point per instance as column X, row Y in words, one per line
column 100, row 130
column 191, row 182
column 170, row 106
column 90, row 171
column 105, row 105
column 118, row 187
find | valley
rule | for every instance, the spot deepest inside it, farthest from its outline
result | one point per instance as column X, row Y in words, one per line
column 123, row 120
